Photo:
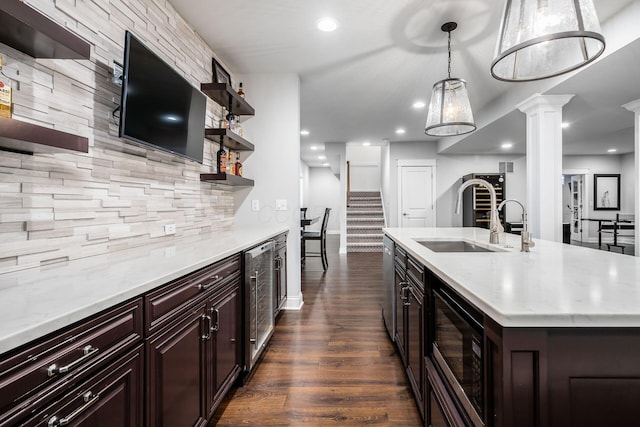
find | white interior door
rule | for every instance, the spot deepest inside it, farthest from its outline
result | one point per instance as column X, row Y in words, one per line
column 416, row 196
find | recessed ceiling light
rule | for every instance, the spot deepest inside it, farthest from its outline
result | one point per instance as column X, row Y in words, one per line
column 419, row 104
column 400, row 131
column 304, row 132
column 612, row 150
column 507, row 145
column 314, row 147
column 366, row 143
column 565, row 125
column 327, row 24
column 322, row 157
column 325, row 164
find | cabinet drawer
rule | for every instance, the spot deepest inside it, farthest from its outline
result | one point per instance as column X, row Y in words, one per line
column 41, row 370
column 400, row 257
column 164, row 304
column 416, row 269
column 113, row 396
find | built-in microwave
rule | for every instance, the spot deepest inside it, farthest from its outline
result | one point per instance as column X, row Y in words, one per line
column 457, row 350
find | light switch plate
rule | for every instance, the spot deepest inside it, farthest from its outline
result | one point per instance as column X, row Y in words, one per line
column 255, row 205
column 281, row 204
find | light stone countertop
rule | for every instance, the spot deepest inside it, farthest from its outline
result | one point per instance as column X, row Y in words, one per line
column 38, row 301
column 554, row 285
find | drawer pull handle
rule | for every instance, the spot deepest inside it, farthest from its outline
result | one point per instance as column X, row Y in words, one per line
column 87, row 352
column 89, row 399
column 208, row 328
column 205, row 286
column 216, row 325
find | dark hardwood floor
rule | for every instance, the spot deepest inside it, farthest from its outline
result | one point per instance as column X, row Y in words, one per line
column 330, row 363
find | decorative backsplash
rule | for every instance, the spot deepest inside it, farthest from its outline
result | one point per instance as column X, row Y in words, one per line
column 64, row 206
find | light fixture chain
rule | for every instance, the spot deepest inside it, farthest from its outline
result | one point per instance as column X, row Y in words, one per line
column 449, row 49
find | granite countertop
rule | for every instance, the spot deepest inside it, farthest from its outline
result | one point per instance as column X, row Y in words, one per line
column 554, row 285
column 38, row 301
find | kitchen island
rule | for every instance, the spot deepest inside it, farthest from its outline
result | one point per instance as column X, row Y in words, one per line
column 559, row 328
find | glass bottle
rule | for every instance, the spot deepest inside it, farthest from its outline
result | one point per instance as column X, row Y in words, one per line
column 6, row 101
column 223, row 119
column 238, row 164
column 222, row 160
column 231, row 167
column 241, row 90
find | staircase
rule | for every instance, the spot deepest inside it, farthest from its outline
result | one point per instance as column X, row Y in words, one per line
column 365, row 219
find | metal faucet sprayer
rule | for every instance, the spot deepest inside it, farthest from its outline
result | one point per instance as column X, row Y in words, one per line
column 526, row 242
column 495, row 227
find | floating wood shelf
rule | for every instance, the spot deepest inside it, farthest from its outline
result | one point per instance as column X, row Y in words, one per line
column 27, row 30
column 223, row 94
column 24, row 137
column 229, row 139
column 227, row 179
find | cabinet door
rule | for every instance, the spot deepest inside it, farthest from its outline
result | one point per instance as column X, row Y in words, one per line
column 415, row 342
column 113, row 397
column 436, row 414
column 225, row 354
column 176, row 371
column 401, row 290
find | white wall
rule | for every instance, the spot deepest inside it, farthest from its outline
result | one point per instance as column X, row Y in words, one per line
column 449, row 171
column 304, row 184
column 274, row 165
column 365, row 167
column 324, row 192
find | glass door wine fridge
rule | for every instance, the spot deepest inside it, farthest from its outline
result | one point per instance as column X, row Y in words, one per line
column 259, row 317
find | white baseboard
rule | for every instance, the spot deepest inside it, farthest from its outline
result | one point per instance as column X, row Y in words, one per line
column 294, row 303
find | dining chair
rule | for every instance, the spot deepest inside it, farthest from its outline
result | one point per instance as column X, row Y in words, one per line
column 317, row 235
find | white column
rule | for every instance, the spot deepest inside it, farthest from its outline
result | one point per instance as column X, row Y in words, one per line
column 544, row 164
column 634, row 106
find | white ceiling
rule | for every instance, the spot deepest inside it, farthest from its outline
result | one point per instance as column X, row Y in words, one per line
column 359, row 82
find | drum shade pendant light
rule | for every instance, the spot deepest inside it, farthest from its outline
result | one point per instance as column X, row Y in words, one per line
column 449, row 110
column 545, row 38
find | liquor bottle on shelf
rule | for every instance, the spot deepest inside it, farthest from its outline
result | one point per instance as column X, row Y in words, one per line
column 6, row 102
column 238, row 165
column 241, row 90
column 231, row 166
column 238, row 127
column 223, row 119
column 222, row 160
column 231, row 122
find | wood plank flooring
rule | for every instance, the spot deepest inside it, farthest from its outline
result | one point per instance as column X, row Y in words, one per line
column 330, row 363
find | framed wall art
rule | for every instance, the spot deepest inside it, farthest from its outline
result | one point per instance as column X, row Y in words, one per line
column 606, row 192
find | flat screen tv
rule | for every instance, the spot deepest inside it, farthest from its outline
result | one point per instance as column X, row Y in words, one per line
column 159, row 107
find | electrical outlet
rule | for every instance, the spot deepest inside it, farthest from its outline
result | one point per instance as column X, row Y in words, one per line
column 117, row 74
column 255, row 205
column 281, row 205
column 169, row 229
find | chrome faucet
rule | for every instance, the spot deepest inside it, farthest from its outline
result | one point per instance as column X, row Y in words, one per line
column 526, row 242
column 495, row 227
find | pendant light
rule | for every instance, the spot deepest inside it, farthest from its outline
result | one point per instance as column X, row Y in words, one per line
column 545, row 38
column 449, row 110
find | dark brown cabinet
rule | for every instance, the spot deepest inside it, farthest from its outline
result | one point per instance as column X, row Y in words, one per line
column 225, row 348
column 37, row 374
column 111, row 397
column 414, row 330
column 415, row 339
column 410, row 329
column 193, row 351
column 176, row 367
column 440, row 410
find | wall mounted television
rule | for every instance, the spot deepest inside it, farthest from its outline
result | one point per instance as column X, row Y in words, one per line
column 160, row 108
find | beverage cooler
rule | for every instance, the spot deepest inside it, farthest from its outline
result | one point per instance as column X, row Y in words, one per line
column 259, row 312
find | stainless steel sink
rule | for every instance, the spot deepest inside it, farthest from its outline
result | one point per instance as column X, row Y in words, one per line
column 454, row 246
